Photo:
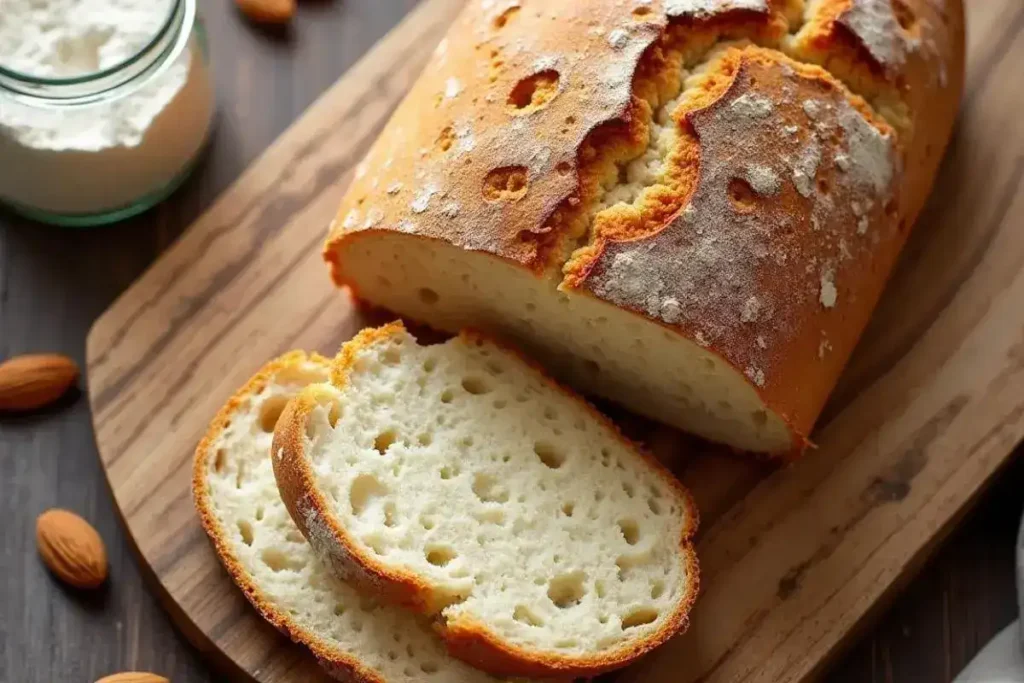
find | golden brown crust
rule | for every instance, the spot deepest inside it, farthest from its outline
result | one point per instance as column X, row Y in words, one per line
column 904, row 57
column 468, row 640
column 770, row 257
column 342, row 666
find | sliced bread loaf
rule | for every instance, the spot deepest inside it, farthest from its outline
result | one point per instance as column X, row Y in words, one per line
column 352, row 635
column 459, row 481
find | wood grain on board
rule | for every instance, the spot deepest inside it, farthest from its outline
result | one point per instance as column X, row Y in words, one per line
column 793, row 560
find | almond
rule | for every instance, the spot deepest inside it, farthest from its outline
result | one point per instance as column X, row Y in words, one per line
column 133, row 677
column 267, row 11
column 71, row 549
column 34, row 381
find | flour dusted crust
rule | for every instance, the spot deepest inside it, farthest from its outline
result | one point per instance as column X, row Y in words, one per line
column 467, row 637
column 806, row 136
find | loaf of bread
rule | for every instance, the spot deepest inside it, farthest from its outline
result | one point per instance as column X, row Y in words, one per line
column 458, row 480
column 354, row 636
column 690, row 207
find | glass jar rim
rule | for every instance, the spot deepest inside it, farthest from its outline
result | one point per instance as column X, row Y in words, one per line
column 158, row 37
column 114, row 83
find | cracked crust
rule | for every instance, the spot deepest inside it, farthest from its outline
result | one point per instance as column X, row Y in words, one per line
column 471, row 161
column 467, row 639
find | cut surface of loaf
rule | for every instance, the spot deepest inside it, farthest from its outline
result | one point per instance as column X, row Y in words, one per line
column 689, row 207
column 354, row 636
column 460, row 481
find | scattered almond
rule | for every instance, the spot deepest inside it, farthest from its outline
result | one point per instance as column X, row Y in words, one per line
column 133, row 677
column 71, row 549
column 267, row 11
column 34, row 381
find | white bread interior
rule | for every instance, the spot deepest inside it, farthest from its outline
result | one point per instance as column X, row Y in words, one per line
column 357, row 638
column 505, row 500
column 596, row 347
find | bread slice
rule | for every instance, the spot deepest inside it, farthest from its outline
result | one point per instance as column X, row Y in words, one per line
column 459, row 481
column 352, row 635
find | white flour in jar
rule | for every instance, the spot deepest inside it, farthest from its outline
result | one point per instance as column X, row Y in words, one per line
column 102, row 157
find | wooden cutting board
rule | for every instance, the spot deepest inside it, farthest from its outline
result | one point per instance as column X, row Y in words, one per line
column 793, row 559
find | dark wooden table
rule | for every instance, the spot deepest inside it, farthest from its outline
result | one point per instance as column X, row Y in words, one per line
column 54, row 283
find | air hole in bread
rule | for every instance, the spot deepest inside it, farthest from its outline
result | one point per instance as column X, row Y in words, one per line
column 725, row 405
column 429, row 364
column 449, row 472
column 476, row 385
column 567, row 590
column 260, row 511
column 653, row 504
column 531, row 307
column 630, row 531
column 390, row 514
column 429, row 668
column 428, row 296
column 339, row 609
column 488, row 490
column 245, row 529
column 602, row 619
column 240, row 475
column 524, row 615
column 494, row 368
column 447, row 396
column 377, row 544
column 427, row 522
column 294, row 536
column 491, row 516
column 506, row 184
column 393, row 356
column 823, row 187
column 384, row 441
column 657, row 589
column 566, row 643
column 639, row 617
column 440, row 556
column 279, row 561
column 641, row 11
column 366, row 488
column 742, row 196
column 534, row 92
column 392, row 655
column 500, row 403
column 549, row 454
column 549, row 413
column 759, row 418
column 383, row 281
column 505, row 17
column 270, row 412
column 522, row 398
column 904, row 15
column 628, row 489
column 219, row 460
column 568, row 508
column 446, row 139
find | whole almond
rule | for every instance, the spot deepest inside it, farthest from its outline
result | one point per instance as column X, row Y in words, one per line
column 267, row 11
column 71, row 549
column 133, row 677
column 34, row 381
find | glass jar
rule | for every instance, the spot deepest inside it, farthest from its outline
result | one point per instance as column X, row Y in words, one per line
column 100, row 147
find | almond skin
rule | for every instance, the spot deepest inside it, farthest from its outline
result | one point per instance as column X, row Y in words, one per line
column 33, row 381
column 133, row 677
column 71, row 549
column 267, row 11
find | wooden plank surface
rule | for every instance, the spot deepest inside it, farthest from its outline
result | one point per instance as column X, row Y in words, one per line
column 793, row 560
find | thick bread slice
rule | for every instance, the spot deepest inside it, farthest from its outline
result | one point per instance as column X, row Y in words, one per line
column 460, row 481
column 352, row 635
